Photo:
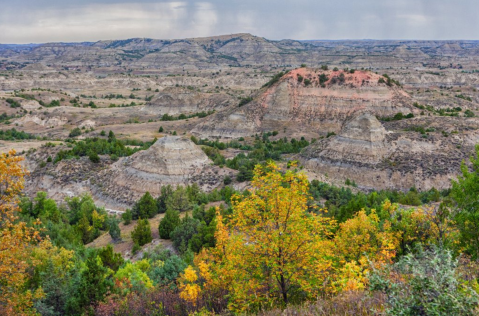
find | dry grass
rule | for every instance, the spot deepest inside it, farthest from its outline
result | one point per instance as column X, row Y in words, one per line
column 19, row 146
column 354, row 303
column 126, row 244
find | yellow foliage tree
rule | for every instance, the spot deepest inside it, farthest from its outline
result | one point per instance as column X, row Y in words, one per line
column 358, row 242
column 17, row 241
column 189, row 289
column 271, row 248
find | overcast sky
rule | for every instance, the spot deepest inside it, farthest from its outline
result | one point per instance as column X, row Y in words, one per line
column 37, row 21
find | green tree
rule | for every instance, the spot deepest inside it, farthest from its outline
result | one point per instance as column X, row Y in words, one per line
column 178, row 201
column 146, row 207
column 95, row 281
column 166, row 191
column 465, row 193
column 110, row 258
column 141, row 234
column 127, row 217
column 169, row 223
column 183, row 233
column 111, row 137
column 114, row 229
column 85, row 229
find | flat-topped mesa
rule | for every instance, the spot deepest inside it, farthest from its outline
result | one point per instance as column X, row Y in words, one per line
column 361, row 140
column 311, row 100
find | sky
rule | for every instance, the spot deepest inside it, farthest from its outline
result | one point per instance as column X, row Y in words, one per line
column 40, row 21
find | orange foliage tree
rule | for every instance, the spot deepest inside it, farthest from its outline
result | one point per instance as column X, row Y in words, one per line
column 16, row 242
column 272, row 250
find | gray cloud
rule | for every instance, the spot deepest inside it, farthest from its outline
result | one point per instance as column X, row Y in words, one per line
column 26, row 21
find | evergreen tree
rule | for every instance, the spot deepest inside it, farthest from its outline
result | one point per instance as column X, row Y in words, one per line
column 114, row 229
column 169, row 223
column 127, row 217
column 166, row 191
column 146, row 207
column 182, row 234
column 94, row 282
column 178, row 201
column 141, row 235
column 85, row 229
column 111, row 137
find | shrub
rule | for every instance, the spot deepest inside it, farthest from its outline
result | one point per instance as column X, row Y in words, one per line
column 93, row 156
column 425, row 283
column 75, row 132
column 227, row 180
column 135, row 248
column 469, row 113
column 273, row 80
column 244, row 101
column 161, row 129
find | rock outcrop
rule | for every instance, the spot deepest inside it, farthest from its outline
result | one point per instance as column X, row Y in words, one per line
column 376, row 157
column 43, row 121
column 172, row 160
column 363, row 139
column 310, row 99
column 175, row 101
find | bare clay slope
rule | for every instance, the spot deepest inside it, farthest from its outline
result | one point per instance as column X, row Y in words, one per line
column 378, row 158
column 172, row 160
column 300, row 101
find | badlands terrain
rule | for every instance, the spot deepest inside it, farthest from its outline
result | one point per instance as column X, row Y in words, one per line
column 380, row 114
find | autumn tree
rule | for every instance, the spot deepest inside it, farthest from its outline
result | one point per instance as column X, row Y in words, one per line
column 358, row 242
column 17, row 241
column 271, row 250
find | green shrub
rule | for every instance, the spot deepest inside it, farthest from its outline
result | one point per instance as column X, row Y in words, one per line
column 93, row 156
column 427, row 283
column 75, row 132
column 227, row 180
